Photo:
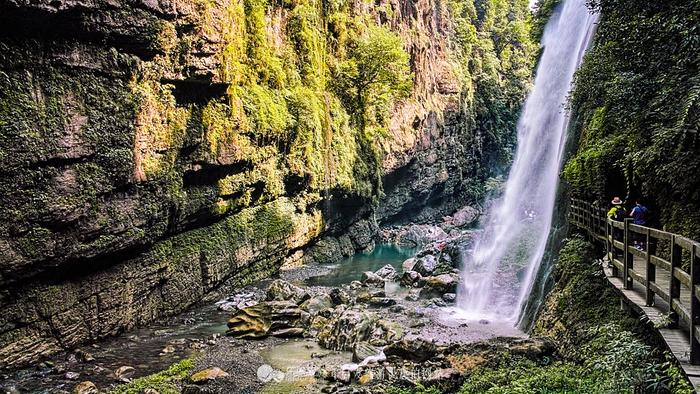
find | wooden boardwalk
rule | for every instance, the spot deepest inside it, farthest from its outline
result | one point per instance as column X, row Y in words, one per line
column 677, row 339
column 660, row 281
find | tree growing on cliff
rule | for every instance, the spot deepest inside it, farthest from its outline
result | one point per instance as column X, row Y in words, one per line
column 375, row 73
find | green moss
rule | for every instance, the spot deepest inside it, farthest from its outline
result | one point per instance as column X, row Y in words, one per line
column 160, row 129
column 165, row 382
column 36, row 243
column 304, row 31
column 262, row 60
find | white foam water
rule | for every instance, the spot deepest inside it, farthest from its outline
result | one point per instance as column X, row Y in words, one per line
column 498, row 276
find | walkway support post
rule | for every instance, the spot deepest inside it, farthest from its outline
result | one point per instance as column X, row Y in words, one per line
column 628, row 258
column 674, row 291
column 694, row 304
column 651, row 270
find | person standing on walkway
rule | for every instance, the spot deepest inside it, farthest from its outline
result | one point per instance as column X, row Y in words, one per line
column 639, row 217
column 618, row 214
column 618, row 211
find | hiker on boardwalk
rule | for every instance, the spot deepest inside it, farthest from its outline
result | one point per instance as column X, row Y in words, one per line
column 639, row 215
column 618, row 211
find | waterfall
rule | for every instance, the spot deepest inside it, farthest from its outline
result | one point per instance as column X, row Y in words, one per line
column 498, row 275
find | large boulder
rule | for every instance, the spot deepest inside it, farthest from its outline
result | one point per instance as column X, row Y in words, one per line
column 436, row 286
column 426, row 265
column 465, row 217
column 408, row 264
column 280, row 290
column 388, row 272
column 276, row 318
column 316, row 304
column 251, row 322
column 347, row 327
column 362, row 350
column 412, row 279
column 416, row 349
column 371, row 279
column 339, row 296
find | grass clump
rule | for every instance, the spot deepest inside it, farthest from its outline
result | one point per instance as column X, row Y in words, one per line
column 165, row 382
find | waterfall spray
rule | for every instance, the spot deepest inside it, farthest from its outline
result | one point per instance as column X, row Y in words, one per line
column 498, row 276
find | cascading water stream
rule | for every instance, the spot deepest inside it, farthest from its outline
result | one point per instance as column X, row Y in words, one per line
column 499, row 274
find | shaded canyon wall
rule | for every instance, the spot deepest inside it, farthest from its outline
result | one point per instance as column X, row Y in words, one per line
column 153, row 150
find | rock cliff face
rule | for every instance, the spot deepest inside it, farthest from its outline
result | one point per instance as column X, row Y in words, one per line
column 152, row 150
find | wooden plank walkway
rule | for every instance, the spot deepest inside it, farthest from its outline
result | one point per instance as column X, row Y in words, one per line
column 674, row 263
column 677, row 339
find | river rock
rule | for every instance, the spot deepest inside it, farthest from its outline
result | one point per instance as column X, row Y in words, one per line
column 72, row 375
column 251, row 322
column 207, row 375
column 413, row 295
column 355, row 284
column 465, row 217
column 281, row 290
column 86, row 387
column 443, row 377
column 339, row 296
column 381, row 302
column 425, row 265
column 84, row 356
column 237, row 301
column 417, row 349
column 388, row 272
column 371, row 279
column 449, row 297
column 362, row 350
column 408, row 264
column 317, row 303
column 276, row 318
column 436, row 286
column 124, row 373
column 348, row 327
column 412, row 279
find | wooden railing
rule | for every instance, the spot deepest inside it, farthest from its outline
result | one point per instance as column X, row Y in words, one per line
column 663, row 252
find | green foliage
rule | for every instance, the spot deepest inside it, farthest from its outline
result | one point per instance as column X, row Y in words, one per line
column 636, row 110
column 375, row 73
column 418, row 389
column 495, row 53
column 523, row 376
column 164, row 382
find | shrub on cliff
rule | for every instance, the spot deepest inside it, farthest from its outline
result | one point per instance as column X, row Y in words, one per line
column 375, row 72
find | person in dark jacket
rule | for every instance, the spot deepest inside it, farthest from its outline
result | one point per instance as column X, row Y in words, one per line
column 639, row 213
column 639, row 217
